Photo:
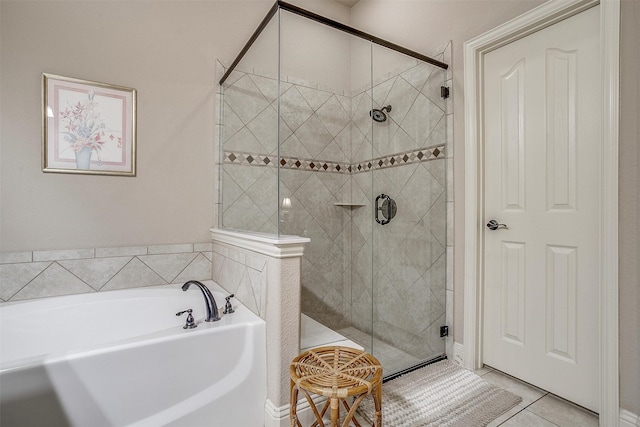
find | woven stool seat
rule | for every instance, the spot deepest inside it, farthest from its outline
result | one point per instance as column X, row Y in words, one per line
column 337, row 373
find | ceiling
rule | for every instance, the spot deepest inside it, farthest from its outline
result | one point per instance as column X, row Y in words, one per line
column 348, row 3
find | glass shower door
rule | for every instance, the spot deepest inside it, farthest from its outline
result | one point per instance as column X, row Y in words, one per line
column 408, row 124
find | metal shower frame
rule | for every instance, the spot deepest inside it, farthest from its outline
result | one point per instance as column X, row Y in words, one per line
column 331, row 23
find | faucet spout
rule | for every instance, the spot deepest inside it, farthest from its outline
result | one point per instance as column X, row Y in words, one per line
column 212, row 307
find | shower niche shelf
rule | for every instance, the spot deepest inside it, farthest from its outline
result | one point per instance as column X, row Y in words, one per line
column 349, row 205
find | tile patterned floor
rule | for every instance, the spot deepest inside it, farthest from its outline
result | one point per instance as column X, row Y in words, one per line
column 538, row 407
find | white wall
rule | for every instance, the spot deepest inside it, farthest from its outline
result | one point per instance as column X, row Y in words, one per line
column 160, row 49
column 165, row 50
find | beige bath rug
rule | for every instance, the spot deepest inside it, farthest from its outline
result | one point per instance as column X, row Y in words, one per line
column 441, row 394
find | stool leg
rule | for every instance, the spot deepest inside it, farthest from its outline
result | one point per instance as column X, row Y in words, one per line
column 335, row 412
column 377, row 401
column 318, row 415
column 293, row 416
column 352, row 411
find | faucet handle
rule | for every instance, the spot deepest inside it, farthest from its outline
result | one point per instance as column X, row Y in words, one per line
column 228, row 309
column 191, row 323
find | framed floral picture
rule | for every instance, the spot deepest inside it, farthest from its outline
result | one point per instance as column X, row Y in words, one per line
column 88, row 127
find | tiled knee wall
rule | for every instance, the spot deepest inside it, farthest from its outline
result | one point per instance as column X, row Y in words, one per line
column 243, row 273
column 26, row 275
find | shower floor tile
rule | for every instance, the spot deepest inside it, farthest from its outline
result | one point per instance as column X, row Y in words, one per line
column 356, row 335
column 392, row 359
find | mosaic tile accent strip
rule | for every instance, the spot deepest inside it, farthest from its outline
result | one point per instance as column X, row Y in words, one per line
column 314, row 165
column 399, row 159
column 250, row 159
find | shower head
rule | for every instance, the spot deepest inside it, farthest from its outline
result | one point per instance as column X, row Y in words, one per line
column 379, row 115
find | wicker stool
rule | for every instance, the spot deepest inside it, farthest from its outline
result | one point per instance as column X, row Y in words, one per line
column 337, row 373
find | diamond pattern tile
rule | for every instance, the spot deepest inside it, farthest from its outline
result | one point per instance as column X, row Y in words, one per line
column 267, row 86
column 53, row 281
column 401, row 97
column 134, row 274
column 314, row 136
column 244, row 141
column 245, row 99
column 361, row 118
column 244, row 292
column 314, row 97
column 381, row 92
column 235, row 216
column 432, row 88
column 333, row 116
column 245, row 177
column 264, row 192
column 198, row 269
column 421, row 119
column 168, row 266
column 232, row 123
column 417, row 76
column 294, row 109
column 110, row 268
column 15, row 276
column 95, row 272
column 264, row 127
column 422, row 189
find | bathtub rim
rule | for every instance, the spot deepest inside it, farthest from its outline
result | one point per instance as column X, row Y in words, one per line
column 242, row 316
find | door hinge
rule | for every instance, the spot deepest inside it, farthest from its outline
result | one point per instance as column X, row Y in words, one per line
column 444, row 331
column 444, row 92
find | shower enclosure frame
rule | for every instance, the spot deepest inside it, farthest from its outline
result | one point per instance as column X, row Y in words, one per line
column 373, row 40
column 331, row 23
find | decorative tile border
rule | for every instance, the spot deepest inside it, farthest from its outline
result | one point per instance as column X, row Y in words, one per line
column 399, row 159
column 36, row 274
column 252, row 159
column 314, row 165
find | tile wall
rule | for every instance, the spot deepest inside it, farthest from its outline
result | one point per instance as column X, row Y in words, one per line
column 26, row 275
column 242, row 273
column 314, row 174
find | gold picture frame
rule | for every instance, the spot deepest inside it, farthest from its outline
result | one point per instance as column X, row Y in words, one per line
column 88, row 127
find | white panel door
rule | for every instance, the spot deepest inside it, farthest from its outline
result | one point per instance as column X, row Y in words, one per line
column 542, row 179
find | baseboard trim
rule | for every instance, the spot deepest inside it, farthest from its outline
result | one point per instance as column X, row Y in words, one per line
column 629, row 419
column 458, row 353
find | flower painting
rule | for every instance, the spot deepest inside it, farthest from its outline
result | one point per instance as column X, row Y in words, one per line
column 88, row 127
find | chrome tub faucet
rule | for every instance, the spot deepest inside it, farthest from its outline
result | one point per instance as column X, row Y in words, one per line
column 212, row 307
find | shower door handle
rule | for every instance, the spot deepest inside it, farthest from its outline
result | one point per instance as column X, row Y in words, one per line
column 388, row 209
column 379, row 208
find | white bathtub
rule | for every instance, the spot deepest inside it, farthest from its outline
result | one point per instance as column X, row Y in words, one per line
column 122, row 358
